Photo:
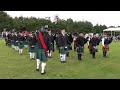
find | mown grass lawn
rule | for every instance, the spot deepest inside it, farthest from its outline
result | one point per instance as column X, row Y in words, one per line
column 15, row 66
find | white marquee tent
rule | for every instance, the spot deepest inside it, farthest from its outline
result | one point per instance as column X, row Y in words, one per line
column 112, row 30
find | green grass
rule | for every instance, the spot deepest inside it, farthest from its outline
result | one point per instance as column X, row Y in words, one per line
column 15, row 66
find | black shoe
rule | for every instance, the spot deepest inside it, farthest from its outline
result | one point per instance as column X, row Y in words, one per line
column 93, row 57
column 43, row 73
column 79, row 59
column 64, row 62
column 37, row 69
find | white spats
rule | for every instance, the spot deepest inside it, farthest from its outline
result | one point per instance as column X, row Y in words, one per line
column 50, row 54
column 26, row 46
column 20, row 51
column 62, row 57
column 38, row 63
column 13, row 46
column 32, row 55
column 43, row 67
column 16, row 48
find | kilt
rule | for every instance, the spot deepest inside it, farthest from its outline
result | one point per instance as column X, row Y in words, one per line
column 63, row 50
column 15, row 43
column 26, row 42
column 21, row 45
column 32, row 49
column 51, row 47
column 105, row 48
column 9, row 42
column 41, row 54
column 80, row 50
column 89, row 46
column 12, row 42
column 94, row 49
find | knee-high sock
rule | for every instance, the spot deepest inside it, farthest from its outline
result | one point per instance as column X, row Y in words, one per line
column 38, row 63
column 93, row 54
column 33, row 55
column 105, row 53
column 64, row 57
column 21, row 51
column 30, row 55
column 50, row 53
column 43, row 67
column 79, row 56
column 17, row 48
column 61, row 57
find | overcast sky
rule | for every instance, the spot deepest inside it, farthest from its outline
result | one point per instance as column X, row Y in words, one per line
column 108, row 18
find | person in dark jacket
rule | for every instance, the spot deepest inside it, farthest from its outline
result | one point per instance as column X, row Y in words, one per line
column 32, row 43
column 105, row 43
column 94, row 43
column 52, row 44
column 15, row 41
column 41, row 53
column 62, row 43
column 80, row 41
column 8, row 39
column 69, row 43
column 21, row 40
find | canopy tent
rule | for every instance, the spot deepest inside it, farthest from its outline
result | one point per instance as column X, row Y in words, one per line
column 112, row 30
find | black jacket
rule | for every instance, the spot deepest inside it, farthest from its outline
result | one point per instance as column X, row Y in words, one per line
column 94, row 41
column 32, row 41
column 80, row 41
column 62, row 40
column 47, row 41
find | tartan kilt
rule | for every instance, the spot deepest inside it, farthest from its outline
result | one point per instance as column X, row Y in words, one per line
column 25, row 42
column 63, row 50
column 12, row 42
column 9, row 42
column 32, row 49
column 90, row 46
column 105, row 48
column 21, row 45
column 80, row 50
column 94, row 49
column 41, row 54
column 51, row 47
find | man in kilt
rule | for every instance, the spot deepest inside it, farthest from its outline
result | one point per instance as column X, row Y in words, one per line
column 62, row 42
column 43, row 45
column 80, row 41
column 26, row 41
column 52, row 44
column 90, row 45
column 69, row 43
column 105, row 44
column 8, row 39
column 94, row 43
column 15, row 40
column 32, row 45
column 21, row 43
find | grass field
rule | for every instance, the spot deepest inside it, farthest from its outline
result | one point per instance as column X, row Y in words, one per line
column 15, row 66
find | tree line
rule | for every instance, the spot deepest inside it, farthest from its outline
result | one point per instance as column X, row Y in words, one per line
column 33, row 24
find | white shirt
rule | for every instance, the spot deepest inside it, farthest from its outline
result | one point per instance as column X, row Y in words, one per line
column 103, row 39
